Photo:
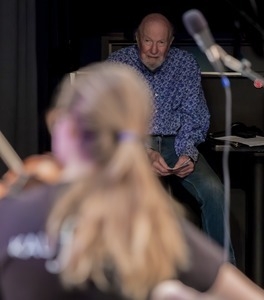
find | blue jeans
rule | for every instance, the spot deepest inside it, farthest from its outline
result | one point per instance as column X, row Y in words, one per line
column 207, row 189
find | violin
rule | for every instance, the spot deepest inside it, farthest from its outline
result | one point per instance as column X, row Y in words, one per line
column 34, row 170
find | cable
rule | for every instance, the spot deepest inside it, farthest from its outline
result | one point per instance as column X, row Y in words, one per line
column 225, row 162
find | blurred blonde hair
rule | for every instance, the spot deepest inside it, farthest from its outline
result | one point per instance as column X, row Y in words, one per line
column 126, row 232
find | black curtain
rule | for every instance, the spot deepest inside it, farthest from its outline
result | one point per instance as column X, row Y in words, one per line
column 57, row 54
column 18, row 79
column 38, row 45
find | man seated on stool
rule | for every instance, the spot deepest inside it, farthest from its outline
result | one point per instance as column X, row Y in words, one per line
column 181, row 120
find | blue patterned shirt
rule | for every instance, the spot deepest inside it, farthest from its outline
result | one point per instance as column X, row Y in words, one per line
column 180, row 105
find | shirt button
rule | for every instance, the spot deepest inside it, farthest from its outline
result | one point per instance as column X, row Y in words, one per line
column 156, row 94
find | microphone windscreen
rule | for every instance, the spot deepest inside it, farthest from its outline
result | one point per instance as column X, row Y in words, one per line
column 194, row 21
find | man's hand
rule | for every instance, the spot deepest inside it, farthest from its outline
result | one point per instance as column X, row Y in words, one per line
column 159, row 165
column 183, row 167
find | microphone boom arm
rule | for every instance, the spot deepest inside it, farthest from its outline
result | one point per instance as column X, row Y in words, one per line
column 243, row 66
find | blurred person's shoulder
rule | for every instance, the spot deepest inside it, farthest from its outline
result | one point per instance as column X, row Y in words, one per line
column 27, row 210
column 206, row 257
column 33, row 195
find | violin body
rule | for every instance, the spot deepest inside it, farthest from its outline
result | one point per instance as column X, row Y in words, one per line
column 37, row 169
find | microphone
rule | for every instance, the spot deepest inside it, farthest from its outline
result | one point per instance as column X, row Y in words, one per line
column 197, row 27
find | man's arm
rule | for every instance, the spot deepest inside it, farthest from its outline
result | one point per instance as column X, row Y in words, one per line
column 195, row 116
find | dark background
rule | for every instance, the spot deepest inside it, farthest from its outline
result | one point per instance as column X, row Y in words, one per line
column 67, row 24
column 98, row 18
